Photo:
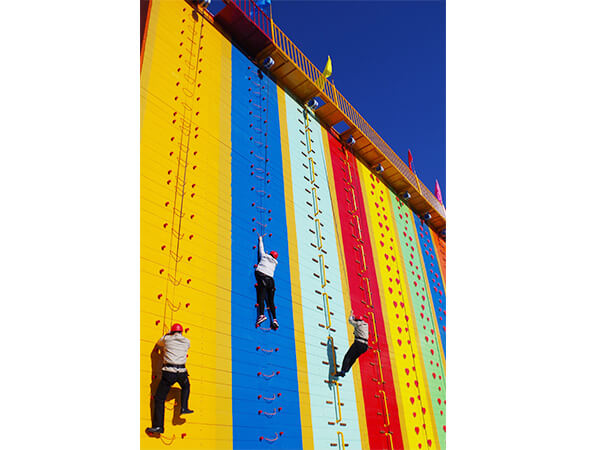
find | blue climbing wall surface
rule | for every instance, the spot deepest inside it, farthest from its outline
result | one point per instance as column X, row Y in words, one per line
column 266, row 408
column 434, row 277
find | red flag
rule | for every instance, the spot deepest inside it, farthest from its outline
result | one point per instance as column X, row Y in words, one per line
column 410, row 160
column 438, row 192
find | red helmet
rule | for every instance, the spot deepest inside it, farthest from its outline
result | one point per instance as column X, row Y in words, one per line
column 176, row 327
column 274, row 254
column 359, row 317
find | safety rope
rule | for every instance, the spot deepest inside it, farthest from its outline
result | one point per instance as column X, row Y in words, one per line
column 181, row 174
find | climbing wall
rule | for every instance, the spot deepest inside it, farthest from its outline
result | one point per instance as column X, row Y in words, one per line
column 410, row 381
column 433, row 251
column 185, row 220
column 227, row 155
column 265, row 384
column 375, row 370
column 333, row 402
column 424, row 314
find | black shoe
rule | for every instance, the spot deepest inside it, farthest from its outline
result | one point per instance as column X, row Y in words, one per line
column 339, row 374
column 274, row 324
column 185, row 411
column 155, row 430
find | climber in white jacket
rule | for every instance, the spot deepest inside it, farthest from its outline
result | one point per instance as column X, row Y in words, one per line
column 265, row 289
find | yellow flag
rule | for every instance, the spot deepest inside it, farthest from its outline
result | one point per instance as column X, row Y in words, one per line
column 326, row 73
column 328, row 68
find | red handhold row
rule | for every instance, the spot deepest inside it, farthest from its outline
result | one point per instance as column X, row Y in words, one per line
column 268, row 376
column 275, row 411
column 270, row 399
column 271, row 440
column 267, row 351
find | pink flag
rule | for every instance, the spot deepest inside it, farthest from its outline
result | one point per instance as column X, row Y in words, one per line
column 438, row 192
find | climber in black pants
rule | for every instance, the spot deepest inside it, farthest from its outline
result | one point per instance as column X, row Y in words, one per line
column 174, row 348
column 360, row 345
column 265, row 289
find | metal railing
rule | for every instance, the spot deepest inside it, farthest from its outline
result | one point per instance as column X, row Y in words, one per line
column 283, row 43
column 316, row 76
column 256, row 14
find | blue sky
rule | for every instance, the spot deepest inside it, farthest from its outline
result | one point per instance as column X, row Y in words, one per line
column 389, row 61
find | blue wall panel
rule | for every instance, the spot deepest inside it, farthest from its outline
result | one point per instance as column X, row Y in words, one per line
column 258, row 205
column 434, row 276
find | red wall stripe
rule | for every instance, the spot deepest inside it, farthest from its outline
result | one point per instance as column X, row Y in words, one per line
column 362, row 278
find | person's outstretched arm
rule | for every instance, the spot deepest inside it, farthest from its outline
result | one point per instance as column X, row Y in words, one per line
column 261, row 248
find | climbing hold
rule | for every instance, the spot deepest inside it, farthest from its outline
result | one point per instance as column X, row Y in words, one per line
column 187, row 329
column 187, row 305
column 157, row 322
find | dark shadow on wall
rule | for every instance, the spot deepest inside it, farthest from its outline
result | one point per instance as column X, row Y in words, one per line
column 144, row 7
column 331, row 358
column 175, row 392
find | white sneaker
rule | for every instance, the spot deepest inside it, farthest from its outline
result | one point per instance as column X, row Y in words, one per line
column 260, row 320
column 275, row 324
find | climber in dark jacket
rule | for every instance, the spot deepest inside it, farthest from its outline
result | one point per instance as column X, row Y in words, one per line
column 265, row 289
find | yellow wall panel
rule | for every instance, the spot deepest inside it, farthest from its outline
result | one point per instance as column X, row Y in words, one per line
column 415, row 406
column 185, row 219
